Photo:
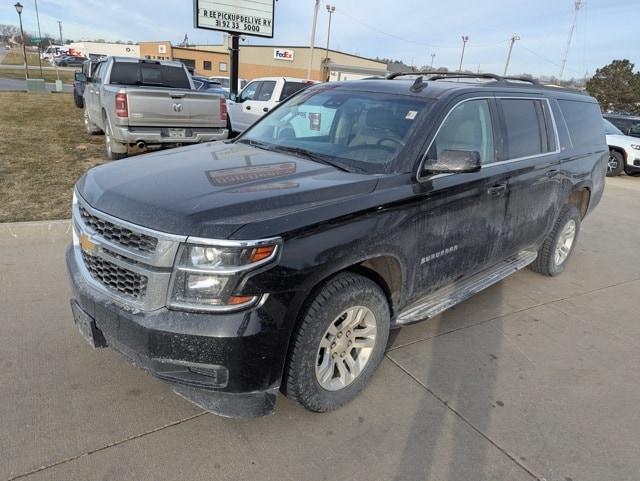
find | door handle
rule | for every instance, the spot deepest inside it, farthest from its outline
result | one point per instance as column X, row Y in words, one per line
column 248, row 107
column 497, row 190
column 266, row 109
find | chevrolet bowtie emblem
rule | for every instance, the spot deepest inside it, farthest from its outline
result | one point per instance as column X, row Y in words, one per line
column 87, row 244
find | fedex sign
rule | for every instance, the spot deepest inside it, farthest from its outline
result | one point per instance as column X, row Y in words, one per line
column 282, row 54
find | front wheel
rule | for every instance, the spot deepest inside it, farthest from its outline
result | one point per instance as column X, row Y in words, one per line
column 338, row 343
column 557, row 248
column 615, row 165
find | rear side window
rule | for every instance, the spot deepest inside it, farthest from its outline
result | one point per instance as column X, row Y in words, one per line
column 291, row 88
column 584, row 122
column 149, row 74
column 528, row 127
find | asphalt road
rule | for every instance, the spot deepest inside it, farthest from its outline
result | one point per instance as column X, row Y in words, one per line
column 535, row 378
column 21, row 85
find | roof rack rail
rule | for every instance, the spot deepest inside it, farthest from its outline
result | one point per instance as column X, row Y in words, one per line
column 441, row 75
column 523, row 79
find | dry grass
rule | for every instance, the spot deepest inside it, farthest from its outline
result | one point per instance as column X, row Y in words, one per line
column 34, row 72
column 16, row 57
column 44, row 149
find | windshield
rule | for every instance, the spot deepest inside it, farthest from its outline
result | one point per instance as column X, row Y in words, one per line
column 611, row 129
column 358, row 131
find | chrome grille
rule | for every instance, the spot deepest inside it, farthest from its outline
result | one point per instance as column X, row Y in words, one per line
column 118, row 234
column 126, row 282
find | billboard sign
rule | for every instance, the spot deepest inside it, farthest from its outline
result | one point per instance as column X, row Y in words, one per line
column 240, row 17
column 283, row 54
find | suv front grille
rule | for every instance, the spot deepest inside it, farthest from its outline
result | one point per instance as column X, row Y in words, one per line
column 115, row 277
column 118, row 234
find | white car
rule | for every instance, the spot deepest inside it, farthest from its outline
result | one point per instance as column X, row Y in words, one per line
column 624, row 151
column 259, row 97
column 226, row 82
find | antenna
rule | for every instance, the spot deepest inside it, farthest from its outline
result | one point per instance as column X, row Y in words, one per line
column 577, row 5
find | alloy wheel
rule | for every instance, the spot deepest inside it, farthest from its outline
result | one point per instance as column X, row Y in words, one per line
column 345, row 348
column 565, row 242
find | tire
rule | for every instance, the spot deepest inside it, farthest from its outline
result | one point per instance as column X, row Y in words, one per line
column 78, row 100
column 110, row 143
column 615, row 165
column 552, row 260
column 321, row 335
column 90, row 127
column 632, row 172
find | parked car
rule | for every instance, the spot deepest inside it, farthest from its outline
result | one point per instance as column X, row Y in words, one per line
column 206, row 85
column 259, row 97
column 628, row 124
column 70, row 61
column 282, row 259
column 145, row 103
column 79, row 83
column 624, row 152
column 226, row 82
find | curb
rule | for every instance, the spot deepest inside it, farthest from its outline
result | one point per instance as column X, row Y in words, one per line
column 52, row 229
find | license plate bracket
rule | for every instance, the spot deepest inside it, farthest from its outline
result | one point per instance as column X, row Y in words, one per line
column 87, row 327
column 177, row 133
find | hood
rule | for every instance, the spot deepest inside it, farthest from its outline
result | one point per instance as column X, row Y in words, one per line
column 212, row 190
column 623, row 141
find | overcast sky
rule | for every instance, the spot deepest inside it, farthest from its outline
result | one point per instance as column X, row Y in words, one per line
column 409, row 30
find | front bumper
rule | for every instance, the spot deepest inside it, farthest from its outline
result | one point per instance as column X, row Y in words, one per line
column 229, row 364
column 159, row 135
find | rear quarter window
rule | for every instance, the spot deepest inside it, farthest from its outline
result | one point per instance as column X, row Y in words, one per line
column 584, row 122
column 291, row 88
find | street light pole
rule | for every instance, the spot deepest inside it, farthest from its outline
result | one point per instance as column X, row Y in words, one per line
column 19, row 8
column 60, row 28
column 313, row 38
column 331, row 9
column 465, row 39
column 514, row 37
column 433, row 56
column 39, row 40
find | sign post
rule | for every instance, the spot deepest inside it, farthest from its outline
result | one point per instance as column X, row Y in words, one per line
column 236, row 17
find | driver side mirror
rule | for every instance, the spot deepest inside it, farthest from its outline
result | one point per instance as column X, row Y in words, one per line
column 80, row 76
column 454, row 162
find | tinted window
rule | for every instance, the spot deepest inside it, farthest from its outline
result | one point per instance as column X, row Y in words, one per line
column 611, row 129
column 584, row 121
column 291, row 88
column 467, row 127
column 150, row 74
column 525, row 127
column 266, row 91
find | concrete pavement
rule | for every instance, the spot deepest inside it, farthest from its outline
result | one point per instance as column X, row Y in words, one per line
column 535, row 378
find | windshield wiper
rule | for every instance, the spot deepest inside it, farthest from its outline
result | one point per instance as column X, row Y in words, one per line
column 256, row 143
column 322, row 159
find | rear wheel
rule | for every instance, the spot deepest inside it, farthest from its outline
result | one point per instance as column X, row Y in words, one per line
column 615, row 166
column 557, row 248
column 112, row 144
column 338, row 344
column 78, row 100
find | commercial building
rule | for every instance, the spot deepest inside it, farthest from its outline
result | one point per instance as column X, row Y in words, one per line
column 99, row 49
column 267, row 61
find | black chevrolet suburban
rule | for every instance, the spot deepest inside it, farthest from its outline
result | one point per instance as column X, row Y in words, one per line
column 280, row 260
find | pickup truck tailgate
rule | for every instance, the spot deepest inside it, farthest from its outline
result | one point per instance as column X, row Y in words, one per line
column 151, row 107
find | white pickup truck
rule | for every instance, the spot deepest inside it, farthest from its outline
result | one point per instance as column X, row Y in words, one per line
column 259, row 97
column 141, row 103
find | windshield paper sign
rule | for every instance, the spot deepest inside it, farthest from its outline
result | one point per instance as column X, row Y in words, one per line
column 243, row 17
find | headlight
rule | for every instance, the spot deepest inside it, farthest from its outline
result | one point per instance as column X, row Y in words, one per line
column 207, row 277
column 635, row 146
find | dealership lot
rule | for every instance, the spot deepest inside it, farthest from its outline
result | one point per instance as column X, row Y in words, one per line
column 535, row 378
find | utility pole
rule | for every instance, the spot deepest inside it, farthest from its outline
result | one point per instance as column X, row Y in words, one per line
column 39, row 40
column 433, row 56
column 60, row 28
column 514, row 37
column 235, row 65
column 577, row 5
column 313, row 38
column 465, row 39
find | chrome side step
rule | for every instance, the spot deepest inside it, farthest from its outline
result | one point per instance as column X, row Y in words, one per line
column 448, row 296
